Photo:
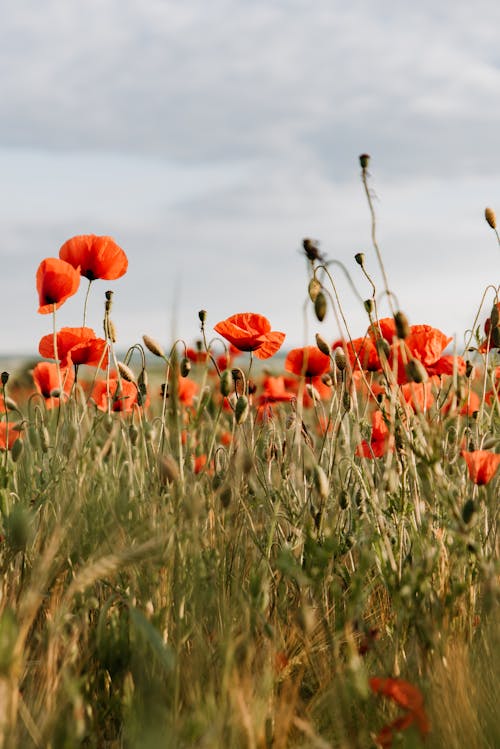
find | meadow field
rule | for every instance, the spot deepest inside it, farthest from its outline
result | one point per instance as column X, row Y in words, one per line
column 231, row 543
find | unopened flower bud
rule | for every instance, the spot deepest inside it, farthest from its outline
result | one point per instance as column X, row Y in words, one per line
column 202, row 315
column 185, row 367
column 153, row 346
column 469, row 368
column 314, row 288
column 241, row 409
column 125, row 372
column 321, row 482
column 168, row 469
column 383, row 348
column 416, row 372
column 225, row 382
column 494, row 316
column 5, row 378
column 369, row 306
column 402, row 326
column 323, row 345
column 490, row 217
column 320, row 306
column 340, row 359
column 360, row 258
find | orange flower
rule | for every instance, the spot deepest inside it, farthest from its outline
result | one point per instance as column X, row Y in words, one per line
column 361, row 352
column 406, row 696
column 275, row 391
column 46, row 380
column 56, row 281
column 199, row 463
column 249, row 331
column 75, row 346
column 186, row 390
column 308, row 361
column 96, row 257
column 482, row 465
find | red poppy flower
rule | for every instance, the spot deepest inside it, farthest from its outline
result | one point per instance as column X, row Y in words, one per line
column 46, row 380
column 56, row 281
column 308, row 361
column 123, row 395
column 275, row 391
column 8, row 434
column 406, row 696
column 381, row 439
column 75, row 346
column 199, row 463
column 482, row 465
column 249, row 331
column 186, row 390
column 96, row 257
column 361, row 352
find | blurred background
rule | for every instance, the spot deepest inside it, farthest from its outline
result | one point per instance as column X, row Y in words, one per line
column 210, row 138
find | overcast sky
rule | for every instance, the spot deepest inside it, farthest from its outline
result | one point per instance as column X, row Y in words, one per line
column 209, row 138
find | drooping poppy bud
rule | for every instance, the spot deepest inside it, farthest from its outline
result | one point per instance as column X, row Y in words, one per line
column 491, row 219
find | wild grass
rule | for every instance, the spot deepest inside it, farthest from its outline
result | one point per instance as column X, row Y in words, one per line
column 151, row 599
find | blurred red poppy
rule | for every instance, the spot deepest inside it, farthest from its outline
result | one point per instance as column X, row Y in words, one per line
column 46, row 380
column 482, row 465
column 122, row 395
column 96, row 257
column 275, row 391
column 381, row 439
column 56, row 281
column 308, row 361
column 186, row 389
column 492, row 332
column 75, row 346
column 9, row 433
column 249, row 331
column 406, row 696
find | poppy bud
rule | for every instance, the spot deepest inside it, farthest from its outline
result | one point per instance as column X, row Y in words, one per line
column 202, row 315
column 468, row 368
column 133, row 434
column 314, row 288
column 225, row 496
column 468, row 511
column 327, row 380
column 109, row 295
column 340, row 359
column 364, row 160
column 125, row 372
column 369, row 306
column 185, row 367
column 346, row 401
column 241, row 409
column 323, row 345
column 490, row 217
column 311, row 250
column 416, row 372
column 17, row 449
column 321, row 482
column 360, row 258
column 110, row 330
column 343, row 499
column 153, row 346
column 383, row 348
column 320, row 306
column 494, row 316
column 225, row 383
column 402, row 327
column 168, row 469
column 5, row 378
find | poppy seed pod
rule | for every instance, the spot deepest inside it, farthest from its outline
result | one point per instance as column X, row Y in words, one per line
column 323, row 345
column 4, row 377
column 491, row 219
column 364, row 160
column 320, row 306
column 313, row 289
column 202, row 315
column 153, row 346
column 416, row 372
column 241, row 409
column 369, row 306
column 402, row 326
column 360, row 258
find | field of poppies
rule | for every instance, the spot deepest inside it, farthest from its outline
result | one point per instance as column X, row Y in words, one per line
column 225, row 542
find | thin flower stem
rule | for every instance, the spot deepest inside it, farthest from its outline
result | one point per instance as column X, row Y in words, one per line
column 56, row 353
column 364, row 178
column 86, row 302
